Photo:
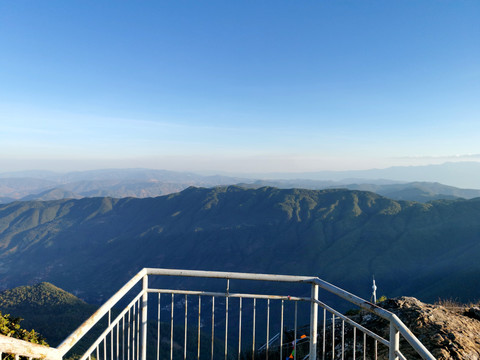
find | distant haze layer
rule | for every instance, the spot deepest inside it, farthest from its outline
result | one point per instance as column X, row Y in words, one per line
column 462, row 174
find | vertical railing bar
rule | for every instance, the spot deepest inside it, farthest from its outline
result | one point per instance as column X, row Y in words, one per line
column 199, row 324
column 376, row 349
column 253, row 327
column 144, row 317
column 394, row 347
column 109, row 323
column 324, row 333
column 98, row 352
column 295, row 333
column 134, row 331
column 281, row 332
column 158, row 326
column 171, row 327
column 213, row 323
column 17, row 357
column 364, row 346
column 268, row 327
column 354, row 342
column 111, row 344
column 123, row 337
column 138, row 330
column 105, row 348
column 128, row 337
column 118, row 341
column 343, row 339
column 186, row 326
column 333, row 336
column 134, row 334
column 226, row 318
column 239, row 327
column 313, row 322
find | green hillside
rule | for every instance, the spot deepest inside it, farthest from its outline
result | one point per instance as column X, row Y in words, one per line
column 58, row 313
column 92, row 246
column 49, row 310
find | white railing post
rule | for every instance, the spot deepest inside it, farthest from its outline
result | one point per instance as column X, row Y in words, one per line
column 313, row 322
column 144, row 317
column 394, row 343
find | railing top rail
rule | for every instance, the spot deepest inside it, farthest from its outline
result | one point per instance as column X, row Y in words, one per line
column 362, row 303
column 10, row 345
column 68, row 343
column 231, row 275
column 74, row 337
column 280, row 278
column 411, row 338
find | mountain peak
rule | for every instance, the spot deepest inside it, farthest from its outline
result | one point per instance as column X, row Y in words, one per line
column 42, row 294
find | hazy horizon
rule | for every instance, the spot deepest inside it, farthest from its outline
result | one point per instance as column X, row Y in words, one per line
column 458, row 174
column 250, row 87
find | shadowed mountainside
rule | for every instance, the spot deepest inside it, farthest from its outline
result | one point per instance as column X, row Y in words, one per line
column 51, row 311
column 92, row 246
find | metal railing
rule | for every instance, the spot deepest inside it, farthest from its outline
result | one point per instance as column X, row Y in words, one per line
column 232, row 325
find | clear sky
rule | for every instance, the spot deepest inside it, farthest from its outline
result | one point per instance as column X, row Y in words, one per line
column 238, row 86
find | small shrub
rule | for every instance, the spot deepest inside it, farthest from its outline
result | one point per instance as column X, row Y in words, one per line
column 382, row 298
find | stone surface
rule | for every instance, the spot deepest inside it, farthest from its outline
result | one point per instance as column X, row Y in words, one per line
column 448, row 333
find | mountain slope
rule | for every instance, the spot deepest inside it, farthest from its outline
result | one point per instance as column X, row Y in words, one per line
column 52, row 194
column 412, row 191
column 417, row 191
column 92, row 246
column 46, row 308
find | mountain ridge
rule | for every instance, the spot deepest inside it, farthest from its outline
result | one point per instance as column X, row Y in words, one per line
column 38, row 185
column 342, row 236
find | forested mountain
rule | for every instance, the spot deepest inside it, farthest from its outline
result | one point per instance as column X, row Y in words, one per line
column 51, row 311
column 92, row 246
column 412, row 191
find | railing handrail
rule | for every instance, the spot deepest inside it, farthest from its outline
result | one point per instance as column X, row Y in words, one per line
column 411, row 338
column 74, row 337
column 366, row 305
column 362, row 303
column 15, row 345
column 19, row 347
column 231, row 275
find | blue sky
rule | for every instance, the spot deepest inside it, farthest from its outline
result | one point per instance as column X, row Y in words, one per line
column 238, row 86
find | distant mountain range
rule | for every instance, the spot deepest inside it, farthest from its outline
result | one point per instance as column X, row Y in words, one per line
column 44, row 185
column 91, row 246
column 463, row 174
column 141, row 183
column 414, row 191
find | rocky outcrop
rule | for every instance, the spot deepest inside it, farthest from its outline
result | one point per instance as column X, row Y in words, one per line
column 447, row 332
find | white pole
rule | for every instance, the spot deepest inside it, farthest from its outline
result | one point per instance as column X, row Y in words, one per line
column 144, row 317
column 313, row 323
